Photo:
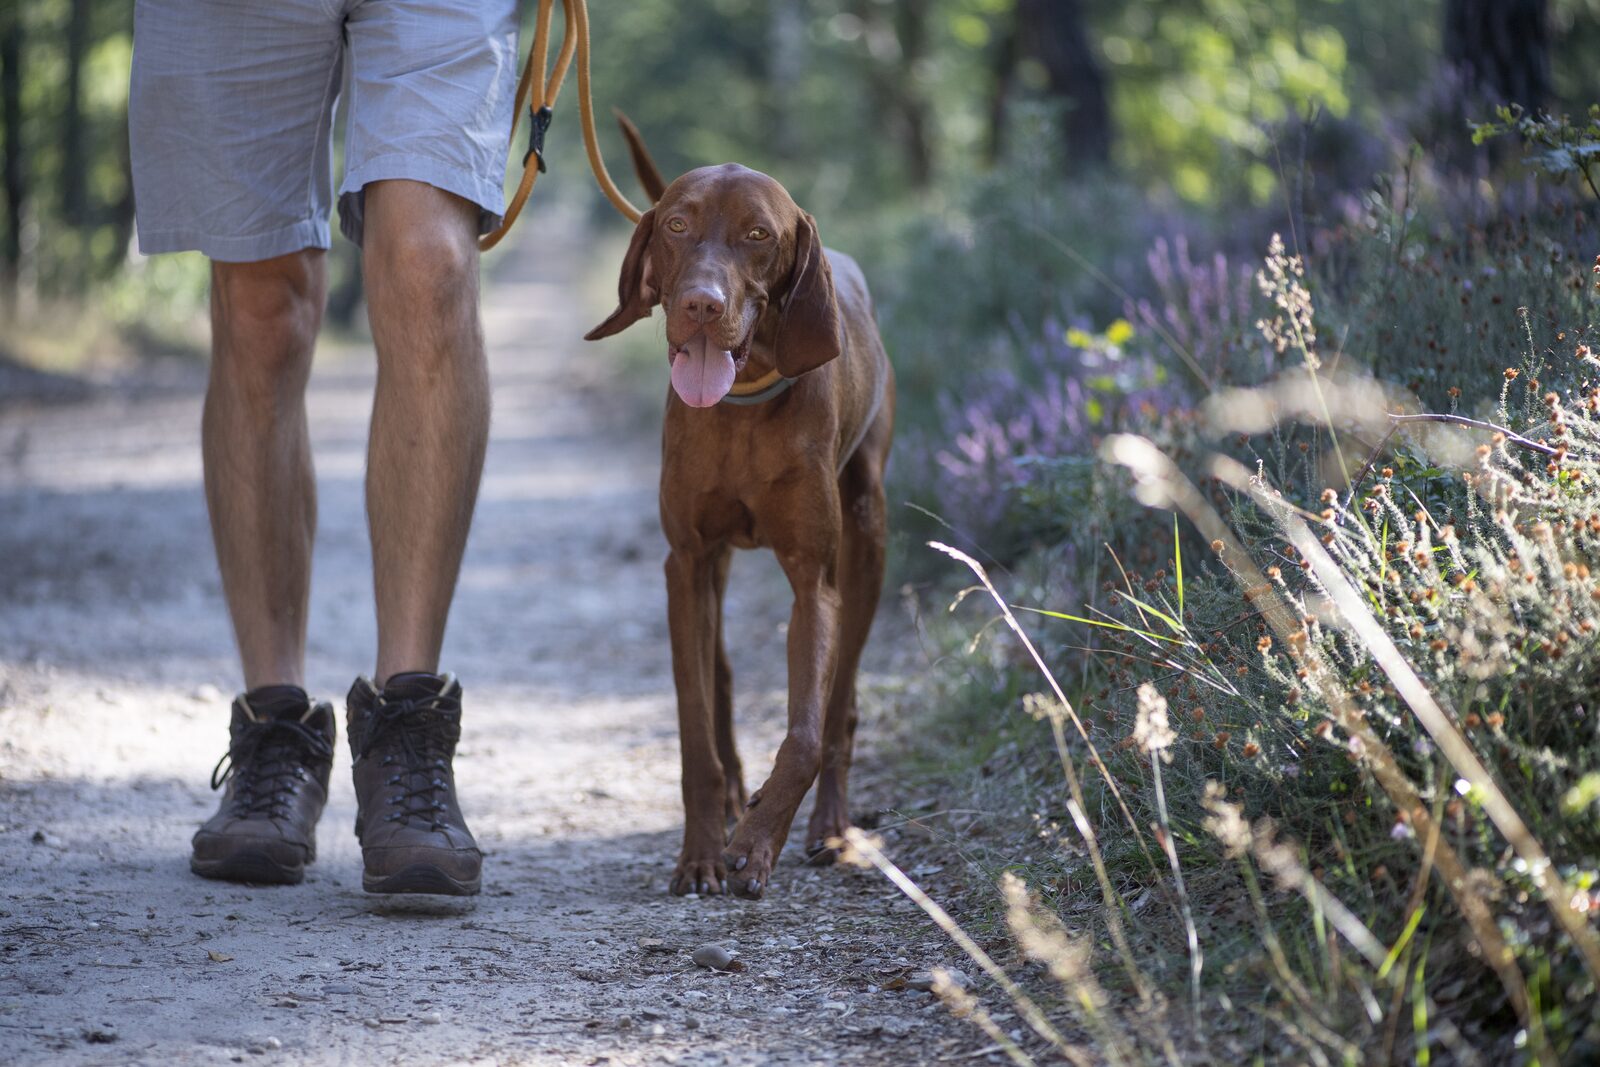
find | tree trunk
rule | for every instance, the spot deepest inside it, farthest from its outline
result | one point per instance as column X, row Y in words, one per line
column 911, row 26
column 1501, row 49
column 12, row 178
column 900, row 39
column 122, row 211
column 74, row 201
column 1004, row 71
column 1054, row 33
column 786, row 40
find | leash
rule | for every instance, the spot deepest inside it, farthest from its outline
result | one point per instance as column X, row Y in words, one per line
column 574, row 43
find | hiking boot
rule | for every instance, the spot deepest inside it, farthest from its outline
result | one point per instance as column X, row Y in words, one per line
column 280, row 750
column 413, row 838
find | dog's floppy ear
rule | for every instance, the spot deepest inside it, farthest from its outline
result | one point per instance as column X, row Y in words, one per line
column 808, row 312
column 636, row 285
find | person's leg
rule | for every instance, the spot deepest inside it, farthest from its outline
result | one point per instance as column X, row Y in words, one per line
column 257, row 453
column 431, row 90
column 230, row 113
column 430, row 419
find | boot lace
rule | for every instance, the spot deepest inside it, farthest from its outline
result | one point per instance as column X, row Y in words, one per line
column 266, row 763
column 418, row 745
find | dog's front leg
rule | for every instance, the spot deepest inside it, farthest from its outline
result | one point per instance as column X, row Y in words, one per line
column 691, row 617
column 813, row 652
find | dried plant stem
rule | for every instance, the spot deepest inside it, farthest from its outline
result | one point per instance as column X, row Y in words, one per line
column 1162, row 484
column 1451, row 741
column 1196, row 956
column 864, row 846
column 964, row 1005
column 1077, row 805
column 1478, row 424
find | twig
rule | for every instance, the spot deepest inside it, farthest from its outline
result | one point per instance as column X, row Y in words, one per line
column 1372, row 461
column 1477, row 424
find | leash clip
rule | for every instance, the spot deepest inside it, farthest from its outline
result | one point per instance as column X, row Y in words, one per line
column 538, row 125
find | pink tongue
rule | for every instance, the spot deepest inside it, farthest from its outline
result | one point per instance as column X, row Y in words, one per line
column 702, row 375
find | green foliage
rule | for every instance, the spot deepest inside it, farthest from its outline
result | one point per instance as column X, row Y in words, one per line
column 1480, row 558
column 1197, row 86
column 1560, row 148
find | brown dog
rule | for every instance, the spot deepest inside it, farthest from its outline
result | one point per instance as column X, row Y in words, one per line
column 777, row 430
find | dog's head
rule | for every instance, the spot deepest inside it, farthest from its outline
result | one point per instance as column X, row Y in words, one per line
column 721, row 248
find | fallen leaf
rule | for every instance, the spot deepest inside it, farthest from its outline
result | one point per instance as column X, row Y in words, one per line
column 218, row 957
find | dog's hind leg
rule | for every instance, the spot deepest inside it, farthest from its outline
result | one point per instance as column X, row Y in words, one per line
column 861, row 566
column 722, row 707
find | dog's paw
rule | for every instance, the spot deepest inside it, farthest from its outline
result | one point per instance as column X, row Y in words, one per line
column 707, row 877
column 748, row 860
column 829, row 820
column 820, row 854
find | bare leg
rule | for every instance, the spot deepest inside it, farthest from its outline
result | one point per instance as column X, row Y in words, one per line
column 260, row 489
column 430, row 420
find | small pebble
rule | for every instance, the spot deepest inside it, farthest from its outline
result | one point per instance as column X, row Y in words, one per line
column 287, row 1002
column 431, row 1018
column 712, row 957
column 373, row 1024
column 273, row 1044
column 691, row 1024
column 658, row 1030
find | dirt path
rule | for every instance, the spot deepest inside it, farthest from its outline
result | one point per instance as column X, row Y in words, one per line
column 116, row 666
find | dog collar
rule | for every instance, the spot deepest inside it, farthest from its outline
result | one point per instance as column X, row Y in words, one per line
column 764, row 388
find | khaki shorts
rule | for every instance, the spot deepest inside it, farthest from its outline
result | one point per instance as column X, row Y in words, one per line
column 231, row 114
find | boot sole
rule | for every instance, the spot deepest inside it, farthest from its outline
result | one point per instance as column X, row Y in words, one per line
column 251, row 867
column 421, row 878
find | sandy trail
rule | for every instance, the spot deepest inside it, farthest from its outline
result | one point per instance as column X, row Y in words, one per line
column 116, row 665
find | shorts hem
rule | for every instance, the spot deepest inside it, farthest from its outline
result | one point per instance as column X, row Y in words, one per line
column 488, row 195
column 243, row 248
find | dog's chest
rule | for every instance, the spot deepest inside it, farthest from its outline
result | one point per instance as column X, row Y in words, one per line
column 741, row 487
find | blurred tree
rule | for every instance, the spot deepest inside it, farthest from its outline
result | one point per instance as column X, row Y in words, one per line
column 13, row 178
column 1501, row 48
column 1053, row 32
column 74, row 207
column 897, row 44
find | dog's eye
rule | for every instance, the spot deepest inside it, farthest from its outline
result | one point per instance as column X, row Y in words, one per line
column 758, row 234
column 677, row 225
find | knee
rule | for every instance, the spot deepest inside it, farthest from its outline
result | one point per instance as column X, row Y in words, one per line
column 272, row 307
column 423, row 257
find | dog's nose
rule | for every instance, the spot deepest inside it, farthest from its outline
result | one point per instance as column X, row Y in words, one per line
column 703, row 304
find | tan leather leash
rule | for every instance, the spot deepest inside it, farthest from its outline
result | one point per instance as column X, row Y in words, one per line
column 574, row 42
